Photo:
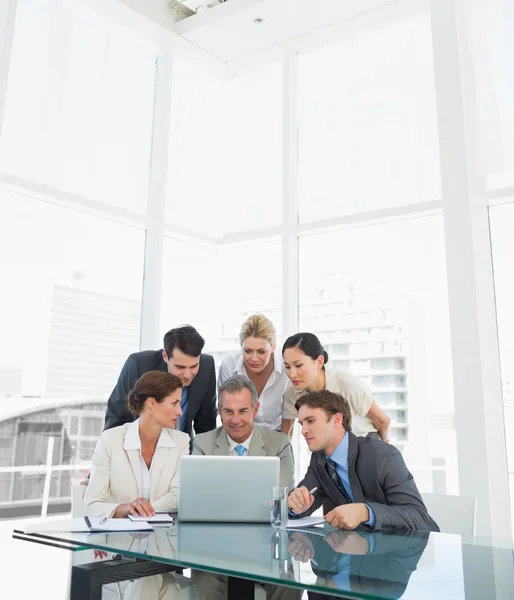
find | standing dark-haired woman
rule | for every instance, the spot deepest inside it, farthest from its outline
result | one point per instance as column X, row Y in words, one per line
column 304, row 361
column 135, row 466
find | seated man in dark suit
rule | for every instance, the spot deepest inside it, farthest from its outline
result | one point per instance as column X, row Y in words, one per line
column 181, row 356
column 360, row 481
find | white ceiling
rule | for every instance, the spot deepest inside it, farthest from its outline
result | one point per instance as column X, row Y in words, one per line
column 228, row 31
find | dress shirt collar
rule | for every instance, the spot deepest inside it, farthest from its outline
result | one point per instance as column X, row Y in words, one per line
column 133, row 441
column 340, row 454
column 232, row 444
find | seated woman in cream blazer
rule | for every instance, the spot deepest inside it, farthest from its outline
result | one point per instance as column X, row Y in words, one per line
column 135, row 466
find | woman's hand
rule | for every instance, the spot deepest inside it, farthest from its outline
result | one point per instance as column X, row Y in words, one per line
column 140, row 507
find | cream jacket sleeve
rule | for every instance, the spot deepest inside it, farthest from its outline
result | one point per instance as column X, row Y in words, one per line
column 97, row 495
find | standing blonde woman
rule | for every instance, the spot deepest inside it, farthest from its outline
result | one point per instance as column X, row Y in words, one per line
column 259, row 361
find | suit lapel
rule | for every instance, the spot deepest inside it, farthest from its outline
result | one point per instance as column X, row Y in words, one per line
column 135, row 463
column 195, row 397
column 221, row 444
column 353, row 451
column 257, row 444
column 329, row 487
column 158, row 462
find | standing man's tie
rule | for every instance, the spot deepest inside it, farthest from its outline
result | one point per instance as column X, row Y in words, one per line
column 240, row 449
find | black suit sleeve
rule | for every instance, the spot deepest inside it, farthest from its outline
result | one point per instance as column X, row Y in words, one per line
column 205, row 419
column 117, row 408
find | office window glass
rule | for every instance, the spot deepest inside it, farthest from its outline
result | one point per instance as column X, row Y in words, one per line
column 367, row 122
column 502, row 223
column 70, row 314
column 225, row 152
column 79, row 104
column 250, row 276
column 190, row 292
column 216, row 288
column 491, row 47
column 376, row 296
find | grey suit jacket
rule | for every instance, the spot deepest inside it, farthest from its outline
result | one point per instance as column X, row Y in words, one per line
column 264, row 443
column 378, row 477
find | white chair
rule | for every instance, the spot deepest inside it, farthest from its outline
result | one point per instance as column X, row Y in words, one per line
column 453, row 514
column 77, row 501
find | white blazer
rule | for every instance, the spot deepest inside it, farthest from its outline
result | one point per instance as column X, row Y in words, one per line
column 116, row 472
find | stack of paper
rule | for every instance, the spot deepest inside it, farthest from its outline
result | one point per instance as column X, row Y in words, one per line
column 157, row 518
column 81, row 525
column 304, row 522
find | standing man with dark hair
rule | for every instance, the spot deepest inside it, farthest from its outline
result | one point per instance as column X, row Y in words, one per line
column 360, row 481
column 181, row 356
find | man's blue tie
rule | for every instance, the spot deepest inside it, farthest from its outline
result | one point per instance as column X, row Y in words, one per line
column 240, row 449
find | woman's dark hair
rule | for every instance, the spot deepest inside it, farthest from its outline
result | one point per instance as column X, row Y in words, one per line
column 186, row 339
column 308, row 343
column 153, row 384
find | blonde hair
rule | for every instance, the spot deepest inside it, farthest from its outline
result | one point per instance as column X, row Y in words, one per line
column 258, row 326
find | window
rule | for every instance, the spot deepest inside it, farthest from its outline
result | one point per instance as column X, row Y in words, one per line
column 225, row 151
column 233, row 281
column 367, row 123
column 250, row 282
column 189, row 284
column 79, row 105
column 502, row 224
column 490, row 31
column 69, row 316
column 395, row 269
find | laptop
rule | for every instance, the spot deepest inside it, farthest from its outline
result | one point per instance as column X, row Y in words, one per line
column 227, row 489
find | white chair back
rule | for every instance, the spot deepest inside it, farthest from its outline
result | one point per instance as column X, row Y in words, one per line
column 77, row 501
column 453, row 514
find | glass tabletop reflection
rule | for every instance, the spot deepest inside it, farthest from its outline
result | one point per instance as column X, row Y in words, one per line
column 348, row 564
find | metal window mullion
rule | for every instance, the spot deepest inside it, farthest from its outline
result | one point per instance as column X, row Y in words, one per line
column 290, row 267
column 7, row 23
column 154, row 241
column 482, row 465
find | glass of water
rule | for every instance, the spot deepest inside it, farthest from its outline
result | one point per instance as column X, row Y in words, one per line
column 279, row 508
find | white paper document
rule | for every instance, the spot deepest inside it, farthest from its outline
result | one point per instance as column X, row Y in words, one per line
column 80, row 525
column 304, row 522
column 157, row 518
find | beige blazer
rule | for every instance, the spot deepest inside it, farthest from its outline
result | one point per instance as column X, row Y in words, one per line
column 116, row 473
column 264, row 443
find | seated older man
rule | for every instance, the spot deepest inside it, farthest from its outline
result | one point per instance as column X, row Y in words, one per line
column 238, row 407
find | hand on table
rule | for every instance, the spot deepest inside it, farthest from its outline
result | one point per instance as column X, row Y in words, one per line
column 140, row 507
column 348, row 516
column 300, row 500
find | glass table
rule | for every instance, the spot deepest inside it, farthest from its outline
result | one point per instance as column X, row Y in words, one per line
column 324, row 561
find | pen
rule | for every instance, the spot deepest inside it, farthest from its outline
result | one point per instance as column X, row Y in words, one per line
column 314, row 489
